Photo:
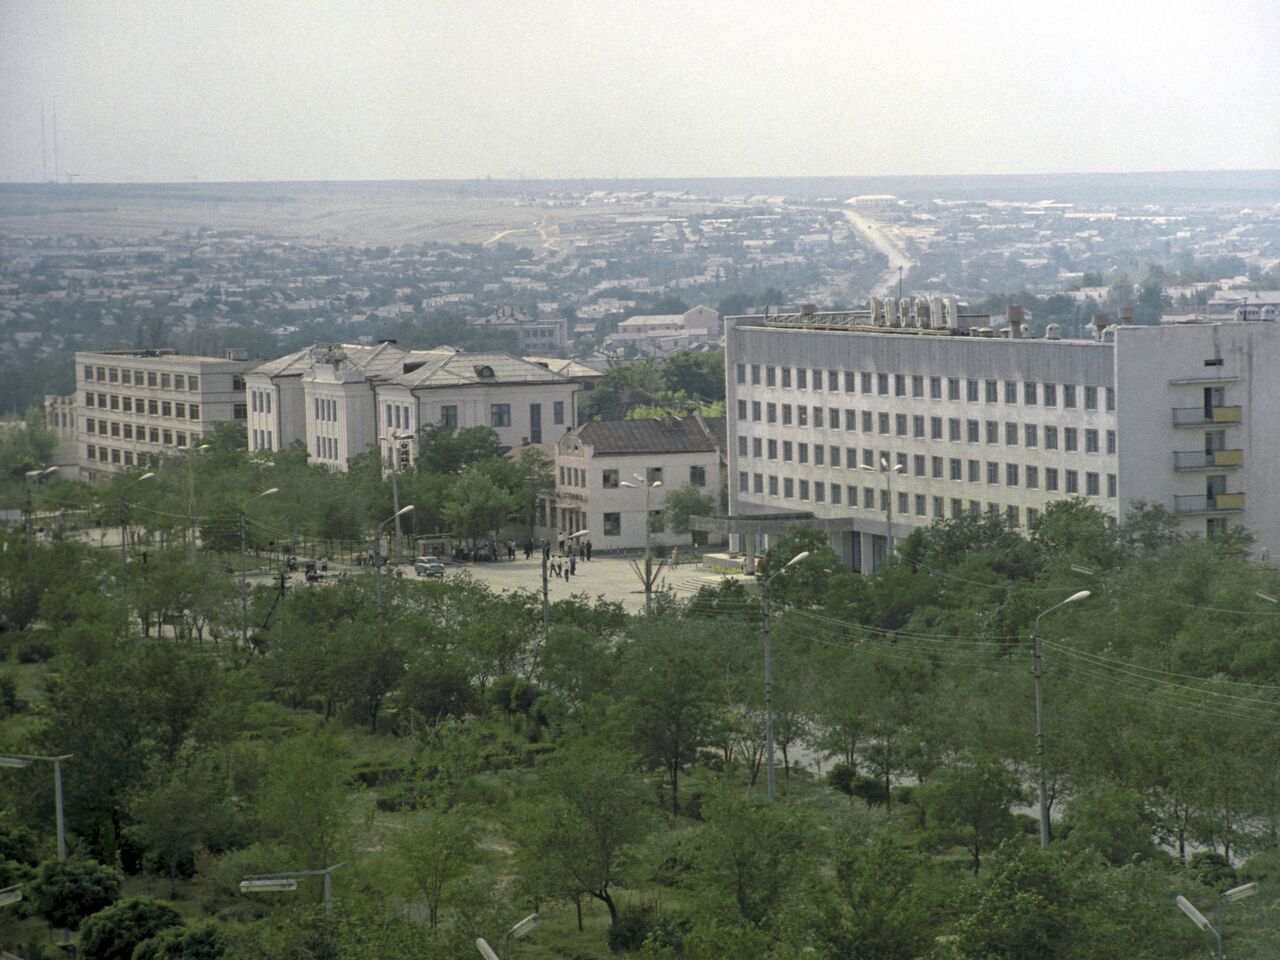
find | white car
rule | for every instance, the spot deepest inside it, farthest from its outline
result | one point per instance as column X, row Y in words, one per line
column 428, row 567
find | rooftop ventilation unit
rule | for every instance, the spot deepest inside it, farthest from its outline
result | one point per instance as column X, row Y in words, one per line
column 484, row 372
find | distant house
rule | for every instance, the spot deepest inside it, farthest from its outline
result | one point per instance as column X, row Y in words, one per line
column 594, row 461
column 660, row 334
column 543, row 334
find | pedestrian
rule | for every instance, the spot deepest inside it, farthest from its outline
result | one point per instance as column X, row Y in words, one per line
column 528, row 549
column 588, row 548
column 573, row 564
column 511, row 549
column 566, row 573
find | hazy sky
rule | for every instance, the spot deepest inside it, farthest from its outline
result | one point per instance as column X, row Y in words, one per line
column 390, row 89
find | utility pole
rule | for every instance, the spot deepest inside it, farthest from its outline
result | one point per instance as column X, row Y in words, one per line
column 244, row 587
column 768, row 674
column 546, row 607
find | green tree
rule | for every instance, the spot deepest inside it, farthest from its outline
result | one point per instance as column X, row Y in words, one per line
column 114, row 932
column 204, row 941
column 1111, row 821
column 969, row 806
column 67, row 891
column 304, row 802
column 448, row 450
column 588, row 809
column 478, row 507
column 685, row 502
column 436, row 848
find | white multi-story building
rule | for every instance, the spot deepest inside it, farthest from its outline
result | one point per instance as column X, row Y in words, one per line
column 603, row 467
column 543, row 334
column 870, row 423
column 659, row 334
column 341, row 400
column 133, row 407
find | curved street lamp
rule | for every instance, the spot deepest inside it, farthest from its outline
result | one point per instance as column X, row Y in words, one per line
column 768, row 672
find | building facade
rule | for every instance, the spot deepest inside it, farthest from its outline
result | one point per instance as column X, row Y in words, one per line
column 133, row 407
column 868, row 424
column 543, row 334
column 603, row 467
column 341, row 400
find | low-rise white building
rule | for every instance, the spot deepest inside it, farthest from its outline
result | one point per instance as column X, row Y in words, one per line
column 345, row 399
column 135, row 406
column 660, row 334
column 595, row 463
column 541, row 334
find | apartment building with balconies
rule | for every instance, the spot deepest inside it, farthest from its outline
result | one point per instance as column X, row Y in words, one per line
column 133, row 407
column 867, row 424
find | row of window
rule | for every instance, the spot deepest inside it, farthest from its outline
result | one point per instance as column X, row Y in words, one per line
column 260, row 440
column 971, row 471
column 1028, row 392
column 610, row 479
column 169, row 438
column 143, row 378
column 830, row 455
column 612, row 523
column 156, row 408
column 397, row 417
column 141, row 432
column 260, row 400
column 817, row 491
column 326, row 448
column 325, row 409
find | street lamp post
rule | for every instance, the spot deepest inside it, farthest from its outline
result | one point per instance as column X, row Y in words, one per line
column 1044, row 777
column 648, row 556
column 25, row 760
column 124, row 519
column 768, row 674
column 33, row 479
column 888, row 501
column 377, row 550
column 244, row 588
column 191, row 497
column 274, row 882
column 1231, row 896
column 399, row 444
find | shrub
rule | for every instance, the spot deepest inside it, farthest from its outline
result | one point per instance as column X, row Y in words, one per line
column 67, row 891
column 1211, row 869
column 840, row 777
column 631, row 929
column 113, row 933
column 871, row 790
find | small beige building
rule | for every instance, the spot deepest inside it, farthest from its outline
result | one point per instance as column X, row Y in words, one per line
column 594, row 462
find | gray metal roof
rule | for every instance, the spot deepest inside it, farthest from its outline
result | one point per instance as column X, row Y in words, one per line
column 668, row 435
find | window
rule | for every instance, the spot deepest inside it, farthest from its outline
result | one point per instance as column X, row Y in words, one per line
column 1010, row 474
column 953, row 388
column 975, row 471
column 773, row 449
column 166, row 408
column 151, row 378
column 835, row 456
column 971, row 390
column 993, row 431
column 918, row 464
column 917, row 386
column 500, row 415
column 786, row 414
column 1111, row 398
column 935, row 388
column 882, row 384
column 757, row 447
column 1111, row 485
column 744, row 482
column 900, row 424
column 88, row 375
column 1050, row 394
column 757, row 483
column 1010, row 434
column 817, row 417
column 742, row 373
column 557, row 412
column 1092, row 484
column 1029, row 437
column 849, row 386
column 755, row 374
column 1029, row 393
column 742, row 446
column 883, row 420
column 1033, row 477
column 974, row 431
column 1091, row 441
column 1050, row 438
column 953, row 429
column 899, row 385
column 817, row 379
column 851, row 495
column 1111, row 441
column 904, row 502
column 992, row 391
column 851, row 419
column 819, row 491
column 115, row 402
column 917, row 427
column 835, row 493
column 922, row 505
column 867, row 426
column 1069, row 395
column 819, row 454
column 833, row 380
column 833, row 418
column 786, row 450
column 956, row 469
column 755, row 411
column 612, row 524
column 773, row 485
column 653, row 475
column 1091, row 398
column 128, row 431
column 742, row 409
column 804, row 489
column 993, row 473
column 1011, row 391
column 113, row 374
column 788, row 487
column 770, row 378
column 179, row 382
column 786, row 377
column 168, row 438
column 802, row 415
column 193, row 383
column 1073, row 481
column 802, row 378
column 238, row 411
column 935, row 428
column 803, row 453
column 851, row 457
column 449, row 416
column 1070, row 439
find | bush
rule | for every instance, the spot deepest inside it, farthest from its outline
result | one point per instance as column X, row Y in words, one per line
column 67, row 891
column 203, row 942
column 1211, row 869
column 631, row 929
column 35, row 650
column 840, row 777
column 9, row 702
column 1264, row 866
column 871, row 790
column 113, row 933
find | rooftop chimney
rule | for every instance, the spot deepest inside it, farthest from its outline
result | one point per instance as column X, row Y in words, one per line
column 1126, row 315
column 1015, row 315
column 1100, row 322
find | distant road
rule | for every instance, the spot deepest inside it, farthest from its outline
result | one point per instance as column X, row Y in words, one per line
column 881, row 240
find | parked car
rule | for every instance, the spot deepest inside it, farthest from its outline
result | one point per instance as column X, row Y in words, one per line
column 428, row 567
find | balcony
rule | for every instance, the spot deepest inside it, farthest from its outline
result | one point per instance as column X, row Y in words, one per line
column 1199, row 417
column 1199, row 460
column 1222, row 503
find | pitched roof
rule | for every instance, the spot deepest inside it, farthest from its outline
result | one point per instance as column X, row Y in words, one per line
column 668, row 435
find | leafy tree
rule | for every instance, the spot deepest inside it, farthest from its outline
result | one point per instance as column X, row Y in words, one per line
column 304, row 802
column 114, row 932
column 438, row 687
column 969, row 806
column 478, row 507
column 447, row 450
column 620, row 389
column 588, row 809
column 204, row 941
column 436, row 848
column 696, row 374
column 67, row 891
column 1111, row 821
column 806, row 582
column 683, row 503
